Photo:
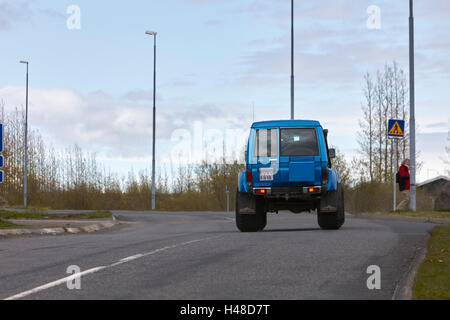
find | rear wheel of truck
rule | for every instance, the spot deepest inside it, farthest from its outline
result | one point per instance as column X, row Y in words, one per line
column 250, row 222
column 333, row 220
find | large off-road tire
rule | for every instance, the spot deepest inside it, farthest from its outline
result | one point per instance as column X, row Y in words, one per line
column 333, row 220
column 250, row 222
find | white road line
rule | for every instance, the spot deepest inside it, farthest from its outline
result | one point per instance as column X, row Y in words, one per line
column 97, row 269
column 55, row 283
column 128, row 259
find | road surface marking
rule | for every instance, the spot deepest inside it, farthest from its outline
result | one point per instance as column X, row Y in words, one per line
column 97, row 269
column 128, row 259
column 55, row 283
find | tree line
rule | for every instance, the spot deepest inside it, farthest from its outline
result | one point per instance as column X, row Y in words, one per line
column 385, row 98
column 74, row 179
column 369, row 176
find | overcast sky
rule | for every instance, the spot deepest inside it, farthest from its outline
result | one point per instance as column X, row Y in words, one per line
column 216, row 60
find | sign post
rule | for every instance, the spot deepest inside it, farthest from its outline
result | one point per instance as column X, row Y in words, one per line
column 395, row 173
column 396, row 130
column 412, row 108
column 1, row 137
column 1, row 151
column 227, row 189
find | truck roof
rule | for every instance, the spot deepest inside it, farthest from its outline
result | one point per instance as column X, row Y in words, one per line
column 286, row 123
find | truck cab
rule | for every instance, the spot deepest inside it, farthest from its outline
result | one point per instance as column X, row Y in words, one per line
column 288, row 167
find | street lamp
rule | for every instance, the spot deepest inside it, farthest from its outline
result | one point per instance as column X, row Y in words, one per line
column 26, row 143
column 292, row 59
column 152, row 33
column 412, row 120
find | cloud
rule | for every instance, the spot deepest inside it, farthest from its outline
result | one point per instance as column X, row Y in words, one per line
column 257, row 80
column 432, row 153
column 51, row 13
column 183, row 83
column 335, row 9
column 66, row 117
column 139, row 95
column 334, row 66
column 334, row 46
column 13, row 13
column 432, row 9
column 10, row 13
column 439, row 125
column 111, row 127
column 279, row 11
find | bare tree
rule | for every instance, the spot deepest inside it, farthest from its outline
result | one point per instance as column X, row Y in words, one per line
column 366, row 135
column 385, row 98
column 447, row 150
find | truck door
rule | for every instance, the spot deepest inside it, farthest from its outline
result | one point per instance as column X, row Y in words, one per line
column 265, row 157
column 299, row 156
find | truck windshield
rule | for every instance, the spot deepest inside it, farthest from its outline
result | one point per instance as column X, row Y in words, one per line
column 266, row 143
column 298, row 142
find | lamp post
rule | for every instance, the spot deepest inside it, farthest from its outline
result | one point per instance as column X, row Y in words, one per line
column 412, row 120
column 152, row 33
column 292, row 59
column 26, row 142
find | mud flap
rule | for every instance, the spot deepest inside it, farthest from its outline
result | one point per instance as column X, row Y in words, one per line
column 245, row 203
column 329, row 202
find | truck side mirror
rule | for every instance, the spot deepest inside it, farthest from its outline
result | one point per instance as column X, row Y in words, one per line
column 332, row 153
column 325, row 132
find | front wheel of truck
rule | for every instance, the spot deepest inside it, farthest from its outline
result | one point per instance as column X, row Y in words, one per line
column 250, row 222
column 333, row 220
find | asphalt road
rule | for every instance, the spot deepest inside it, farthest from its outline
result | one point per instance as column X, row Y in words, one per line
column 203, row 256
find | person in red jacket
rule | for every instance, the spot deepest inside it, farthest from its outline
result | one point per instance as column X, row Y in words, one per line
column 403, row 183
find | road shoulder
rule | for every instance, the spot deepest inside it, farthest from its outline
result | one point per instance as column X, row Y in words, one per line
column 400, row 218
column 56, row 227
column 405, row 287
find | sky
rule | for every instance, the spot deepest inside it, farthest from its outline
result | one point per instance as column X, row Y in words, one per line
column 220, row 66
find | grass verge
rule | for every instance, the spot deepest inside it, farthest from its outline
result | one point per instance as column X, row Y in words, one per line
column 7, row 225
column 29, row 208
column 418, row 214
column 42, row 215
column 432, row 280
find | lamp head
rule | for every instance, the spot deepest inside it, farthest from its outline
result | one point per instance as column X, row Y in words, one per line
column 152, row 33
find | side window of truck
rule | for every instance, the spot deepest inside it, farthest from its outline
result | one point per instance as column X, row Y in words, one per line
column 266, row 143
column 325, row 135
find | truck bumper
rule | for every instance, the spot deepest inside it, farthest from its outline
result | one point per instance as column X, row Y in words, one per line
column 306, row 192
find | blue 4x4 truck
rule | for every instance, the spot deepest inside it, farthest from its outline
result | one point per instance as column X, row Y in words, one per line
column 288, row 167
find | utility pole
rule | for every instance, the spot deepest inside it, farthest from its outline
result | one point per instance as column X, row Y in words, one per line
column 253, row 111
column 292, row 59
column 152, row 33
column 26, row 143
column 227, row 190
column 394, row 173
column 412, row 120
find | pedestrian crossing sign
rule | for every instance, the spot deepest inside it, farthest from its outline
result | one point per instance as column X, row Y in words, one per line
column 396, row 128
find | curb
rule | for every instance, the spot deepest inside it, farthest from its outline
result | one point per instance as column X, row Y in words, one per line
column 403, row 289
column 55, row 231
column 400, row 218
